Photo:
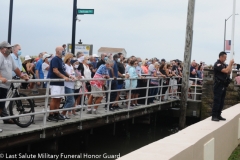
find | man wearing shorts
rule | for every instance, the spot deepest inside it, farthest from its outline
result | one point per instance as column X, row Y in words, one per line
column 57, row 70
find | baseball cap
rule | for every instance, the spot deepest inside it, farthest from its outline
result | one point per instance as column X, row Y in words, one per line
column 46, row 56
column 95, row 55
column 163, row 60
column 27, row 58
column 5, row 44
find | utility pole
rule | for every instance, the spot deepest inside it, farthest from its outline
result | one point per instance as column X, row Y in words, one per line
column 10, row 21
column 74, row 25
column 187, row 61
column 233, row 31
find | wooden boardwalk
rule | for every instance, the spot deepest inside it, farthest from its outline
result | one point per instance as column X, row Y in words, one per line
column 13, row 135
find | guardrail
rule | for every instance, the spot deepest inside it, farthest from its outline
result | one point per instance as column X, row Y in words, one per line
column 109, row 82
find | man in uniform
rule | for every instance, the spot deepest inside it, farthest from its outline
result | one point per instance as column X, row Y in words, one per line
column 221, row 81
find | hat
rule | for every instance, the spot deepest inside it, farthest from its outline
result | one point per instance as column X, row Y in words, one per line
column 73, row 61
column 95, row 55
column 5, row 44
column 46, row 56
column 27, row 58
column 163, row 60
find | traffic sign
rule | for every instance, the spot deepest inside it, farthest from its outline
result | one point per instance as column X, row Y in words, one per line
column 85, row 11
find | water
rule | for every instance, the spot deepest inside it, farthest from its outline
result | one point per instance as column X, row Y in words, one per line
column 101, row 141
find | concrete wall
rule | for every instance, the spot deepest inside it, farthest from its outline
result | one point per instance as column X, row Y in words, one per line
column 205, row 140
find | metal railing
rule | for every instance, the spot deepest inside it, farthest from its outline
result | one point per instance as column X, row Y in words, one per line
column 109, row 83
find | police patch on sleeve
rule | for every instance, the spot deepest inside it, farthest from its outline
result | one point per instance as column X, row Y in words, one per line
column 219, row 64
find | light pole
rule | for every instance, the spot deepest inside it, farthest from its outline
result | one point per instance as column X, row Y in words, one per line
column 10, row 21
column 74, row 25
column 225, row 31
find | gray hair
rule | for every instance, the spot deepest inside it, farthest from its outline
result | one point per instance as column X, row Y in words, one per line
column 109, row 61
column 15, row 46
column 78, row 53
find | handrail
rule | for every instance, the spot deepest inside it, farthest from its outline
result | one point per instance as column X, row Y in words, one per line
column 47, row 96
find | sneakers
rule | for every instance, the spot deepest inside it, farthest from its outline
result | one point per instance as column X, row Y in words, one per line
column 51, row 118
column 89, row 111
column 59, row 117
column 94, row 111
column 64, row 116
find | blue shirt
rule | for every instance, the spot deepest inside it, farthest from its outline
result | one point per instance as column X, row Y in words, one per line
column 94, row 64
column 56, row 62
column 39, row 68
column 17, row 62
column 139, row 70
column 103, row 70
column 132, row 74
column 115, row 69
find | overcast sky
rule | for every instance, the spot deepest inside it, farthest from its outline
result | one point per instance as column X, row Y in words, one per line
column 145, row 28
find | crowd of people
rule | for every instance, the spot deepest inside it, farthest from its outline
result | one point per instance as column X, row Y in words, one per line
column 72, row 68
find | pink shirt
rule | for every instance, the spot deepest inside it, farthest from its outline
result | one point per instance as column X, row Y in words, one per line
column 237, row 79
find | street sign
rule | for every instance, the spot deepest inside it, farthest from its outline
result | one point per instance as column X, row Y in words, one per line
column 85, row 11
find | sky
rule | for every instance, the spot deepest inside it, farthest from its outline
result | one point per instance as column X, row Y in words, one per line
column 145, row 28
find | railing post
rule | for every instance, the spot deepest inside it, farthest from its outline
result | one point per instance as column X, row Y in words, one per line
column 195, row 89
column 146, row 100
column 109, row 89
column 161, row 88
column 129, row 94
column 82, row 98
column 46, row 104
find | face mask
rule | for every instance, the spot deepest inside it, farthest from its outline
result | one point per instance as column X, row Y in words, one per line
column 88, row 62
column 49, row 60
column 105, row 59
column 80, row 59
column 118, row 60
column 96, row 59
column 19, row 52
column 76, row 66
column 139, row 63
column 8, row 51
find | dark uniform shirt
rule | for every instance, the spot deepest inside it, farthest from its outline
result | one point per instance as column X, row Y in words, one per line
column 100, row 63
column 218, row 66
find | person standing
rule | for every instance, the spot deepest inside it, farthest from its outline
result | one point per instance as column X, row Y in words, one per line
column 103, row 59
column 39, row 72
column 221, row 82
column 57, row 70
column 69, row 86
column 16, row 57
column 96, row 85
column 45, row 67
column 7, row 65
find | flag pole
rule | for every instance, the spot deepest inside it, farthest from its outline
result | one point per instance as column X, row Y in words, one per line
column 233, row 30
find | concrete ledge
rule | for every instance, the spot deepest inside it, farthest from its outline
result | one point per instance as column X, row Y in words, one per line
column 219, row 138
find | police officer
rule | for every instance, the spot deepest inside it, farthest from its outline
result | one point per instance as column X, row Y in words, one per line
column 221, row 81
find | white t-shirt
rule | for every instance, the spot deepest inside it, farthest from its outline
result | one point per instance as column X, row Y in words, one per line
column 150, row 69
column 87, row 72
column 45, row 72
column 71, row 72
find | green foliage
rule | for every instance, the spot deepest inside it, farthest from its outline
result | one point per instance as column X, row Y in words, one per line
column 235, row 154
